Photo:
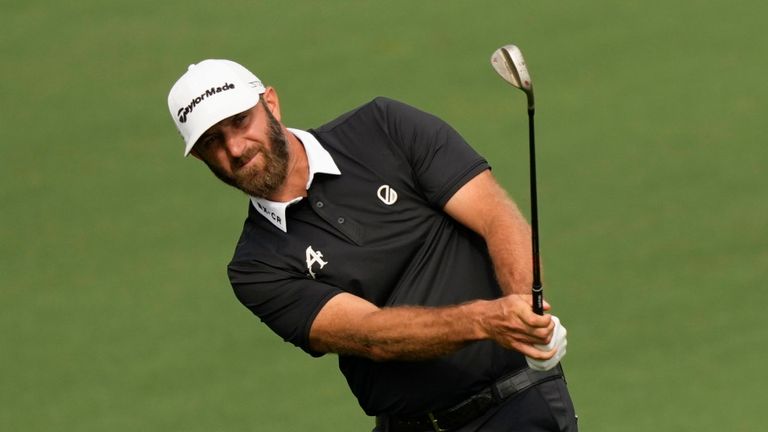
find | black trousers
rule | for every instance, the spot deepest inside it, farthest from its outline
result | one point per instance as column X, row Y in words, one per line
column 546, row 407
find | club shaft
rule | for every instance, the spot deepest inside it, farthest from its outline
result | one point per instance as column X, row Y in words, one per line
column 537, row 288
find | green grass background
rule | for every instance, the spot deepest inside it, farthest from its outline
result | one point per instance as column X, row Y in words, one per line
column 115, row 310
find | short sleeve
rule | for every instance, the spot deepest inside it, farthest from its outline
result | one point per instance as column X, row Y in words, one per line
column 442, row 161
column 287, row 304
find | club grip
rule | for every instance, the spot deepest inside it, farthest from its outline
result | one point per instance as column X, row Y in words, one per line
column 538, row 299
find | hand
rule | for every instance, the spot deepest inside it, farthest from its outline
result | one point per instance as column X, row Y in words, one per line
column 558, row 343
column 511, row 323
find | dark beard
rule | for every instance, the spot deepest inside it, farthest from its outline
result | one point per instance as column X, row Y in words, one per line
column 257, row 182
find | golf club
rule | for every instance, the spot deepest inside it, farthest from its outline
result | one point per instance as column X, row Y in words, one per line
column 509, row 64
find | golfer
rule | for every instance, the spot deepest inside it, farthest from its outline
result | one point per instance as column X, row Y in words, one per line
column 382, row 236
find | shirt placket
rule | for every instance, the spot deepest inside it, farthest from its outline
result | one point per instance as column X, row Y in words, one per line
column 337, row 217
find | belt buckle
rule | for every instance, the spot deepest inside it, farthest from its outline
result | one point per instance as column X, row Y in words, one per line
column 435, row 426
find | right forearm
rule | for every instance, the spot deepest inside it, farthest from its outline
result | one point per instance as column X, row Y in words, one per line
column 350, row 325
column 420, row 333
column 403, row 333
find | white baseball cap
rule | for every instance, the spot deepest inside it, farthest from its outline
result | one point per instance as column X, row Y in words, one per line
column 209, row 92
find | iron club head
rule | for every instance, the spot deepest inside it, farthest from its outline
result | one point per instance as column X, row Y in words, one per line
column 509, row 63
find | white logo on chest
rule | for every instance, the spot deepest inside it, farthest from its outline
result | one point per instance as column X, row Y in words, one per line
column 314, row 257
column 387, row 195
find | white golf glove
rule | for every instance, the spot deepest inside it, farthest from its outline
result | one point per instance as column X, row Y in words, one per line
column 559, row 341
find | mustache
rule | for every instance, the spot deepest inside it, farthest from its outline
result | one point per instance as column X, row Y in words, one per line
column 246, row 157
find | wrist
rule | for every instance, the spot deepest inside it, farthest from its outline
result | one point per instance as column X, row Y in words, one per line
column 477, row 313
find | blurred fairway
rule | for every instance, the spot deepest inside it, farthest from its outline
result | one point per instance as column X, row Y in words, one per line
column 115, row 310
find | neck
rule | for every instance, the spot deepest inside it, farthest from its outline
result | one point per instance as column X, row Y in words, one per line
column 297, row 174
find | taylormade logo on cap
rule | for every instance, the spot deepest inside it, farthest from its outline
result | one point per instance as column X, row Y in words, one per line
column 212, row 91
column 209, row 92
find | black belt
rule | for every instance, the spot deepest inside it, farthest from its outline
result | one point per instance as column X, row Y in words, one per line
column 472, row 408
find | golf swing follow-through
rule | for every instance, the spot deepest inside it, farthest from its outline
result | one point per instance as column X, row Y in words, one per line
column 382, row 237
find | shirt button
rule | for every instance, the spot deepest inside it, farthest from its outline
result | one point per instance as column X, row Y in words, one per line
column 320, row 204
column 340, row 220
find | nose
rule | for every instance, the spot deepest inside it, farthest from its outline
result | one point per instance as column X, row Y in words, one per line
column 235, row 144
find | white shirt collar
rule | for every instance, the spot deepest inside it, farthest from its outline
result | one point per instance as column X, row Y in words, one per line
column 320, row 161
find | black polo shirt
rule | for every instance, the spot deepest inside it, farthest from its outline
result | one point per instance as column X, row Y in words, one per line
column 378, row 231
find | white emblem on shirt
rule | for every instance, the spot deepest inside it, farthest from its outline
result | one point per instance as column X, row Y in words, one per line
column 387, row 195
column 314, row 257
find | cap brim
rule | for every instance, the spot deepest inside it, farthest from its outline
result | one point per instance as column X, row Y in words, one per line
column 219, row 113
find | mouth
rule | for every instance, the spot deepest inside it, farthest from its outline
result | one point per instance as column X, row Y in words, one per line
column 247, row 160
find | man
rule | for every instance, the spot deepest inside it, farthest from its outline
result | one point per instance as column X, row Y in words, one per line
column 382, row 237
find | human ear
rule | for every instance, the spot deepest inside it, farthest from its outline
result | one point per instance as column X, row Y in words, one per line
column 272, row 102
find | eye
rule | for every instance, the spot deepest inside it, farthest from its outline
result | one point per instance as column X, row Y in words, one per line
column 207, row 141
column 240, row 119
